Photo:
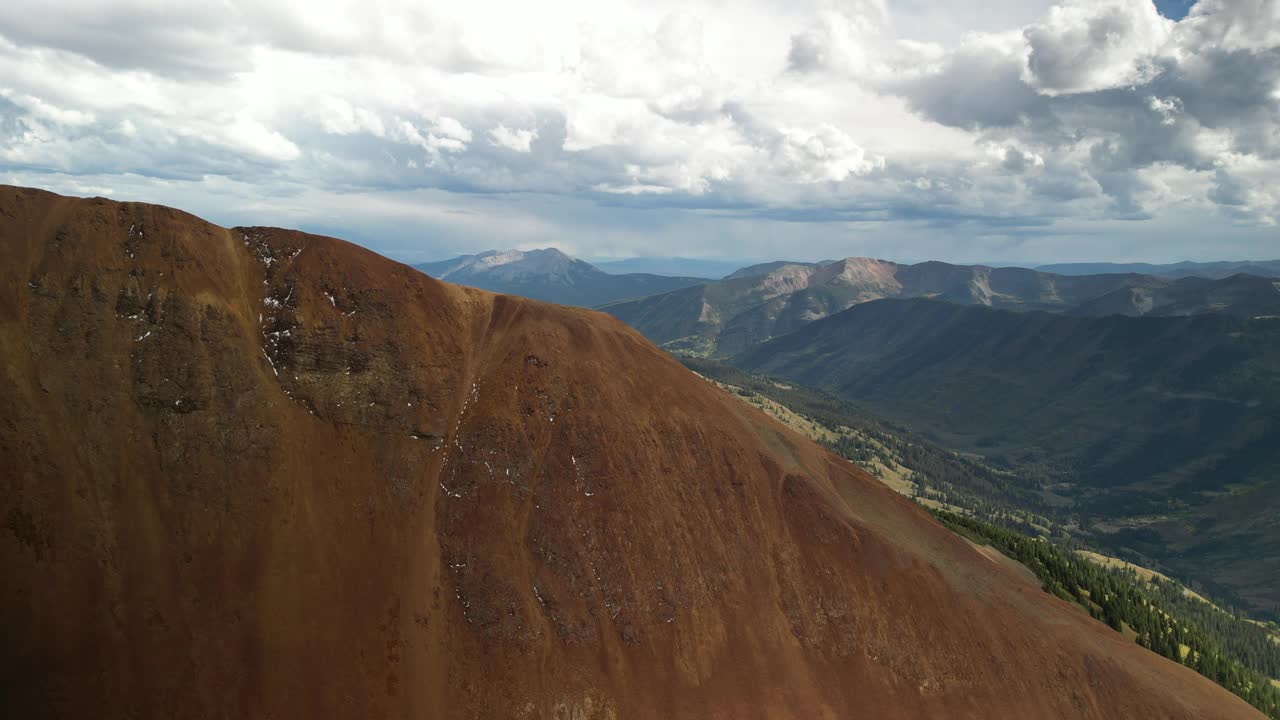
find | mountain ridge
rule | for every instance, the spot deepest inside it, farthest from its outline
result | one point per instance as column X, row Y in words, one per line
column 550, row 275
column 262, row 473
column 710, row 268
column 728, row 317
column 1214, row 270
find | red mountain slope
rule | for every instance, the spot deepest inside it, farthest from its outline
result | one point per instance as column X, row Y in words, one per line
column 252, row 473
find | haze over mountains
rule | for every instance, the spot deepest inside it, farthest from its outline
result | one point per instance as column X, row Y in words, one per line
column 550, row 275
column 757, row 302
column 712, row 269
column 769, row 300
column 1211, row 270
column 257, row 473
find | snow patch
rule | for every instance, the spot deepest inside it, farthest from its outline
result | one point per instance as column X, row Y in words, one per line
column 271, row 363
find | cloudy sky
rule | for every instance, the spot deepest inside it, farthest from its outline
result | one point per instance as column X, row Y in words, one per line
column 965, row 130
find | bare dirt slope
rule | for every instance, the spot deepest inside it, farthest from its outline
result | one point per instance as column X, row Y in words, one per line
column 252, row 473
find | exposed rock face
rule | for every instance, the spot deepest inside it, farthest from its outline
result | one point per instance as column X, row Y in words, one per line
column 256, row 473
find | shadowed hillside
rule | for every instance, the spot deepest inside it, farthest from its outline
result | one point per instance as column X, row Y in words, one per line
column 1240, row 295
column 1162, row 431
column 257, row 473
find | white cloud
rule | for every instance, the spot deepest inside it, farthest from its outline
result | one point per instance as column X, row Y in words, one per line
column 633, row 189
column 1167, row 107
column 825, row 154
column 42, row 110
column 451, row 129
column 980, row 116
column 1091, row 45
column 245, row 133
column 339, row 117
column 517, row 140
column 1232, row 25
column 851, row 40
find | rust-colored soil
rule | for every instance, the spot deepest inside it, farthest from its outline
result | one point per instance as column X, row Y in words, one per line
column 252, row 473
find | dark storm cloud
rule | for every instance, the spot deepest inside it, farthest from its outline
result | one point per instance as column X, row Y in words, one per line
column 978, row 87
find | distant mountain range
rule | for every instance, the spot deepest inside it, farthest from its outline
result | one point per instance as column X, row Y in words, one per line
column 671, row 266
column 752, row 303
column 552, row 276
column 772, row 299
column 1161, row 433
column 1242, row 295
column 1211, row 270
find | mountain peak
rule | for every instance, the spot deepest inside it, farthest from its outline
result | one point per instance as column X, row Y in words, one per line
column 541, row 260
column 861, row 260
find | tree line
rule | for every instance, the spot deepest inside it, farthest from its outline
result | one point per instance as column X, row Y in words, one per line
column 1239, row 655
